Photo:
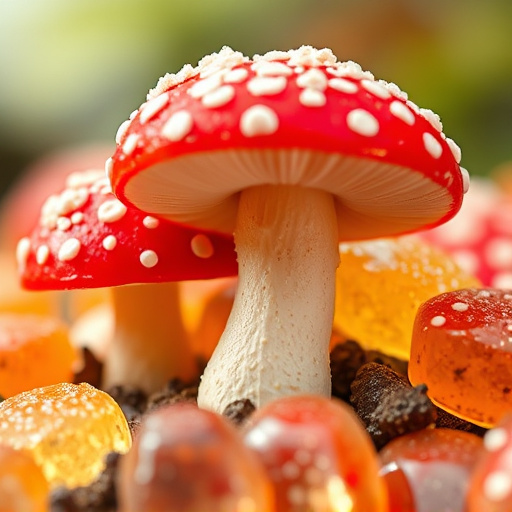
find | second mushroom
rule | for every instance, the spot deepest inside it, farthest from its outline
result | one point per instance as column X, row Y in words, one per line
column 292, row 151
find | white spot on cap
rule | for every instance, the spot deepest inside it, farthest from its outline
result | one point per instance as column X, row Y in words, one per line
column 111, row 210
column 376, row 89
column 266, row 86
column 42, row 254
column 312, row 98
column 77, row 217
column 150, row 222
column 460, row 306
column 148, row 258
column 343, row 85
column 130, row 144
column 402, row 112
column 271, row 68
column 454, row 148
column 495, row 439
column 362, row 122
column 121, row 131
column 438, row 321
column 312, row 79
column 235, row 76
column 109, row 242
column 497, row 485
column 153, row 107
column 259, row 120
column 109, row 164
column 202, row 246
column 220, row 97
column 432, row 145
column 22, row 251
column 205, row 86
column 63, row 223
column 178, row 126
column 465, row 179
column 69, row 249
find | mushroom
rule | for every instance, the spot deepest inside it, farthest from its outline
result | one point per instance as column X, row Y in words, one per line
column 87, row 238
column 292, row 151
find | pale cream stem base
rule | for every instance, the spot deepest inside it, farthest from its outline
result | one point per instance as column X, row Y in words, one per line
column 276, row 341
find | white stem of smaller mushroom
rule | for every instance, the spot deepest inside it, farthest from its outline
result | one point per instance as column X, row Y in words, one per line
column 276, row 341
column 150, row 344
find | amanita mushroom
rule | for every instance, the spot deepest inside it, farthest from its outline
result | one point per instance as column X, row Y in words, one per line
column 87, row 238
column 293, row 152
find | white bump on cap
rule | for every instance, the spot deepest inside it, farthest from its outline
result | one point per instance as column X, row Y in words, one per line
column 362, row 122
column 497, row 485
column 376, row 89
column 153, row 107
column 495, row 439
column 402, row 112
column 150, row 222
column 63, row 223
column 22, row 251
column 202, row 246
column 77, row 217
column 432, row 145
column 123, row 127
column 109, row 164
column 259, row 120
column 109, row 242
column 312, row 98
column 148, row 258
column 42, row 254
column 111, row 211
column 235, row 76
column 266, row 85
column 454, row 148
column 202, row 87
column 271, row 68
column 130, row 144
column 342, row 85
column 178, row 126
column 465, row 179
column 69, row 249
column 219, row 97
column 312, row 79
column 438, row 321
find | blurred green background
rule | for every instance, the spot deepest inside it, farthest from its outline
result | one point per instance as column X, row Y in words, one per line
column 72, row 70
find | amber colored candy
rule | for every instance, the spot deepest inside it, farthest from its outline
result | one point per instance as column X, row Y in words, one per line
column 490, row 487
column 23, row 487
column 318, row 456
column 68, row 429
column 462, row 350
column 192, row 460
column 381, row 283
column 429, row 470
column 35, row 351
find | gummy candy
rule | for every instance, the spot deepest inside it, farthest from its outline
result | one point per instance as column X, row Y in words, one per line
column 23, row 487
column 380, row 285
column 192, row 460
column 68, row 429
column 462, row 350
column 35, row 351
column 429, row 470
column 317, row 454
column 491, row 480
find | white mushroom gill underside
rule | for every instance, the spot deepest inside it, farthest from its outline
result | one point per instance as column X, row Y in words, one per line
column 372, row 198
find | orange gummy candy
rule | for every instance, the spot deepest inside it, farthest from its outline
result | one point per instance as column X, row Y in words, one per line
column 68, row 429
column 192, row 460
column 381, row 283
column 23, row 487
column 35, row 351
column 462, row 350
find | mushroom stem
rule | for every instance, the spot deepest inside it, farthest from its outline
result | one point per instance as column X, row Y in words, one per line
column 276, row 340
column 150, row 344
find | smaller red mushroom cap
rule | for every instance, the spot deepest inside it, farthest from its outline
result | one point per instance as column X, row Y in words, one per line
column 293, row 118
column 86, row 238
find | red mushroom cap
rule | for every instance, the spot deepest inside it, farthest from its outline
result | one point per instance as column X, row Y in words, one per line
column 297, row 117
column 86, row 238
